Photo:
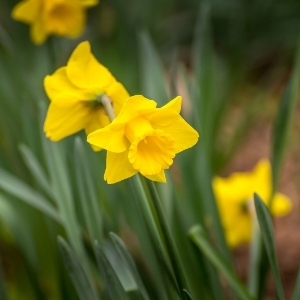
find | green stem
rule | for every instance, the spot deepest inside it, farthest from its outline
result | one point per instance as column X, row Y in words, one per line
column 154, row 213
column 107, row 104
column 168, row 239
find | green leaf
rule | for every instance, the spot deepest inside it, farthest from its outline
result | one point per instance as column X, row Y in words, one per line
column 128, row 261
column 3, row 294
column 82, row 285
column 265, row 223
column 36, row 169
column 284, row 119
column 151, row 70
column 199, row 238
column 87, row 192
column 187, row 295
column 296, row 294
column 22, row 191
column 112, row 282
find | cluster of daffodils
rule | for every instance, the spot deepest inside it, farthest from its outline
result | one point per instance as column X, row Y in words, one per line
column 234, row 196
column 142, row 138
column 59, row 17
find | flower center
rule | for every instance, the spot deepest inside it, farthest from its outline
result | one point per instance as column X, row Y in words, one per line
column 151, row 150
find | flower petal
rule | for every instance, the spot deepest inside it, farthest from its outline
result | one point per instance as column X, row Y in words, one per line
column 160, row 177
column 111, row 138
column 66, row 18
column 59, row 84
column 281, row 205
column 63, row 121
column 134, row 107
column 38, row 33
column 185, row 136
column 26, row 11
column 118, row 94
column 118, row 167
column 84, row 71
column 174, row 104
column 88, row 3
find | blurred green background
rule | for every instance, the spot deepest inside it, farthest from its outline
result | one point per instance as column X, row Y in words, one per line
column 230, row 60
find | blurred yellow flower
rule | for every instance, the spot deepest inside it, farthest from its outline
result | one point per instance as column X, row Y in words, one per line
column 75, row 91
column 143, row 139
column 58, row 17
column 234, row 196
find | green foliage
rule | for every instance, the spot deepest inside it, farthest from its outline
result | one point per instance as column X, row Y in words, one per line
column 207, row 50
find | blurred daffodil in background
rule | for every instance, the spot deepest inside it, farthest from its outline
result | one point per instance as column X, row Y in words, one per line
column 234, row 196
column 143, row 139
column 58, row 17
column 75, row 92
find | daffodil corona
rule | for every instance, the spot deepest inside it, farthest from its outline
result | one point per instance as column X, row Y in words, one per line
column 58, row 17
column 75, row 93
column 234, row 196
column 143, row 139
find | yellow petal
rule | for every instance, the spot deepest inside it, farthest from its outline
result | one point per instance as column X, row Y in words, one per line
column 237, row 187
column 118, row 167
column 38, row 33
column 118, row 94
column 60, row 89
column 62, row 122
column 134, row 107
column 281, row 205
column 174, row 104
column 66, row 18
column 261, row 179
column 85, row 71
column 98, row 120
column 160, row 177
column 88, row 3
column 185, row 136
column 26, row 11
column 111, row 138
column 152, row 152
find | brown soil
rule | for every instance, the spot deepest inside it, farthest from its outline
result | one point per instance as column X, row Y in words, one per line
column 287, row 229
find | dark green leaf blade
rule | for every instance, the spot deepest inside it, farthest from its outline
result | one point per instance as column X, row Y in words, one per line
column 265, row 223
column 112, row 282
column 127, row 259
column 198, row 236
column 296, row 294
column 78, row 276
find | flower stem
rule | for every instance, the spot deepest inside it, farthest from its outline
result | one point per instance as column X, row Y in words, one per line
column 107, row 104
column 168, row 239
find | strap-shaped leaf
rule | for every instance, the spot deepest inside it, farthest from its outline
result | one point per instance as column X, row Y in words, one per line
column 265, row 223
column 22, row 191
column 198, row 236
column 128, row 261
column 296, row 294
column 82, row 285
column 112, row 282
column 36, row 169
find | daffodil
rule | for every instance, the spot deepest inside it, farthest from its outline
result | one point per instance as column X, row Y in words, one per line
column 58, row 17
column 234, row 196
column 143, row 139
column 75, row 91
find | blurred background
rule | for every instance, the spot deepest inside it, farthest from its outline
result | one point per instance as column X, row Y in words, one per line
column 230, row 60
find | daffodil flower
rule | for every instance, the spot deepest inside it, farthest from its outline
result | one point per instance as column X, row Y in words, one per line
column 75, row 93
column 234, row 196
column 58, row 17
column 143, row 139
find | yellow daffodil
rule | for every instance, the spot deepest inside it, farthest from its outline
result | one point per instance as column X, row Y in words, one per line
column 74, row 92
column 58, row 17
column 143, row 139
column 234, row 196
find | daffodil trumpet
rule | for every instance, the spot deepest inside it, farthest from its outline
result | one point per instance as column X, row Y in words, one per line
column 143, row 139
